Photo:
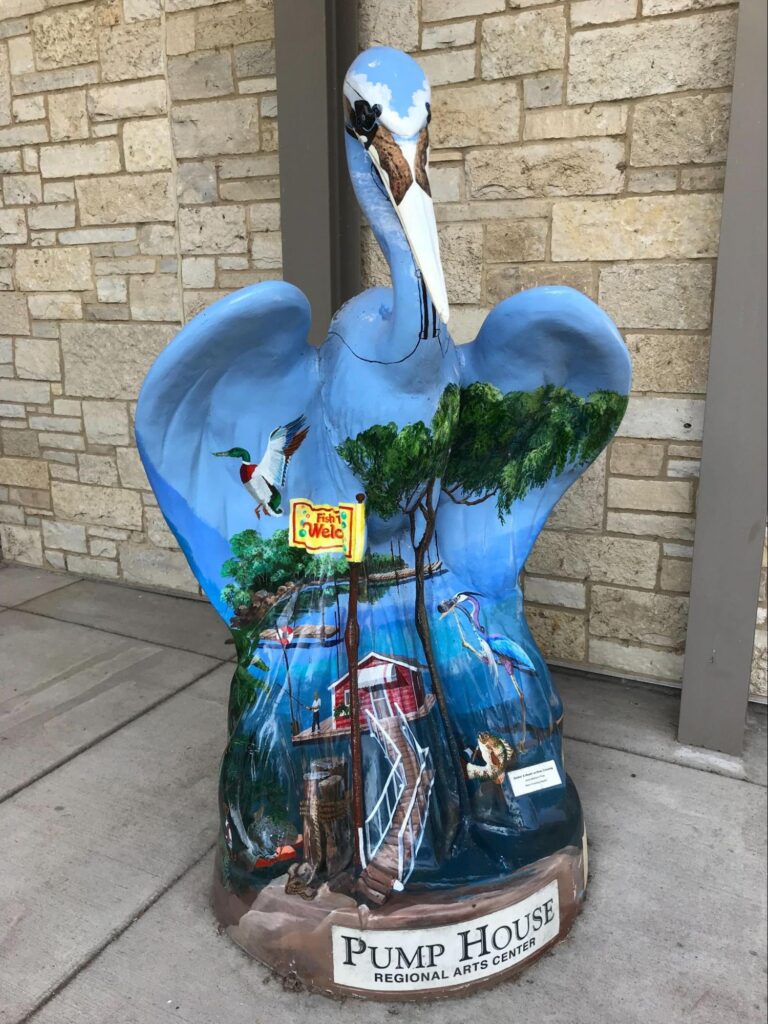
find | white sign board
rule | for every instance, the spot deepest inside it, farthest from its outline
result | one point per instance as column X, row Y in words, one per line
column 534, row 777
column 397, row 960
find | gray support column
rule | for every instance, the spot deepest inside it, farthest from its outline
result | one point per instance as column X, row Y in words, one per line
column 315, row 42
column 732, row 497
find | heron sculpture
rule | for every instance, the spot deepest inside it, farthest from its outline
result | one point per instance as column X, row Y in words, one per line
column 459, row 455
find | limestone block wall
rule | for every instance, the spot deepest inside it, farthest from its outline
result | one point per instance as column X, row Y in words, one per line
column 139, row 172
column 584, row 143
column 580, row 142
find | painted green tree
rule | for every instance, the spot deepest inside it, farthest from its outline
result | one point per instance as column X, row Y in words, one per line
column 263, row 563
column 481, row 444
column 506, row 445
column 400, row 470
column 268, row 563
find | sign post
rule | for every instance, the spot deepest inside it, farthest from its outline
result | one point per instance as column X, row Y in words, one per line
column 340, row 529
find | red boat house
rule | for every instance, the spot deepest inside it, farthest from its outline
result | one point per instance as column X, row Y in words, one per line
column 382, row 683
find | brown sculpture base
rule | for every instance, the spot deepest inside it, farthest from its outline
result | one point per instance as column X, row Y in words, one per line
column 418, row 945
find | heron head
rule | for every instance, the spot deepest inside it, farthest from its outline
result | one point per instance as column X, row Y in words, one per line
column 461, row 602
column 235, row 453
column 387, row 106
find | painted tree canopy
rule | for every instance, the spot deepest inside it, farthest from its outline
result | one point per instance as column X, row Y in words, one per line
column 482, row 443
column 261, row 563
column 506, row 445
column 398, row 467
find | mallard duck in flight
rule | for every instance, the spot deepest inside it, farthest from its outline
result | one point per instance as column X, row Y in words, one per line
column 264, row 480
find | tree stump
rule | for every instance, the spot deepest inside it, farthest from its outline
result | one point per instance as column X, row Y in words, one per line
column 326, row 812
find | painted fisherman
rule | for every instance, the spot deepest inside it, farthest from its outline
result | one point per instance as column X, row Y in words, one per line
column 315, row 707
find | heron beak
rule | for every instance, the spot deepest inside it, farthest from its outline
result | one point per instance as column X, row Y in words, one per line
column 417, row 216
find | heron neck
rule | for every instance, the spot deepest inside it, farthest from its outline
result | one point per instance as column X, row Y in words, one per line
column 406, row 318
column 475, row 613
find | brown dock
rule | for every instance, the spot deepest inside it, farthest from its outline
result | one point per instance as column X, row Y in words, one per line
column 328, row 732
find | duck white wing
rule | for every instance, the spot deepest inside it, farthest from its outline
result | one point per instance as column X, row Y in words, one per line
column 283, row 443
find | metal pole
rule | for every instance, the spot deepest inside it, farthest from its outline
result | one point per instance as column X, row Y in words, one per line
column 731, row 513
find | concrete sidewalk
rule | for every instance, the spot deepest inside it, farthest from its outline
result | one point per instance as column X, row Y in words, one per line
column 112, row 719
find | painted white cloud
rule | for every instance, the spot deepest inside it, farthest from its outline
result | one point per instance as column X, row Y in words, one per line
column 358, row 86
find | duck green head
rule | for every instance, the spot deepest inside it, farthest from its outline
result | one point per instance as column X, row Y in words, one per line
column 236, row 453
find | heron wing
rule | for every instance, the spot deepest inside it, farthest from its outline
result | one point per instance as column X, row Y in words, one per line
column 237, row 369
column 545, row 355
column 507, row 648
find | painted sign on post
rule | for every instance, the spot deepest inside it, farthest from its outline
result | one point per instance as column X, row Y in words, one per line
column 328, row 529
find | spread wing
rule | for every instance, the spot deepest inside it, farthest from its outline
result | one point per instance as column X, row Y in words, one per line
column 283, row 443
column 240, row 367
column 507, row 648
column 544, row 388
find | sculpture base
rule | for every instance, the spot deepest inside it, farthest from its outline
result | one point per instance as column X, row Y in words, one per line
column 418, row 945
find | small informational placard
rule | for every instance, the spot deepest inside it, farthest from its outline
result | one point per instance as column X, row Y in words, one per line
column 534, row 777
column 418, row 959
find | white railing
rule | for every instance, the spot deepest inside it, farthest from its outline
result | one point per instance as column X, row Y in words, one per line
column 415, row 809
column 379, row 821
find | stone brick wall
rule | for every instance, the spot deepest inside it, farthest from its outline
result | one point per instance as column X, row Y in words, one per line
column 580, row 142
column 584, row 143
column 139, row 170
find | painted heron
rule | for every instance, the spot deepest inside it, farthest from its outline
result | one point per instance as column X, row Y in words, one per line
column 493, row 649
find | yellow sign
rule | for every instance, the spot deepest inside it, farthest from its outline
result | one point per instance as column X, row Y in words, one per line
column 328, row 528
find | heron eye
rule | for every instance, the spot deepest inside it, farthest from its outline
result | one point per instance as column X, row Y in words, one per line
column 365, row 116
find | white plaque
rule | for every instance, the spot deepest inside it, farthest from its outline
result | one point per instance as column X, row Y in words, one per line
column 534, row 777
column 397, row 960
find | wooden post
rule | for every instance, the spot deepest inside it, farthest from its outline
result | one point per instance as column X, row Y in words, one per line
column 352, row 643
column 326, row 816
column 295, row 727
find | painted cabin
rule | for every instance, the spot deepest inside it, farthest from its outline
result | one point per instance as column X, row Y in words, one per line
column 382, row 683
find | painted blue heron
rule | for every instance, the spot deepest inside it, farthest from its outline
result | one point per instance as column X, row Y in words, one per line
column 493, row 649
